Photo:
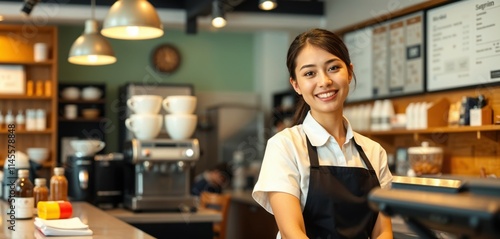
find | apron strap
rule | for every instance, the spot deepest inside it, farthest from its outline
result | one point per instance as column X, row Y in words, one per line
column 363, row 155
column 313, row 154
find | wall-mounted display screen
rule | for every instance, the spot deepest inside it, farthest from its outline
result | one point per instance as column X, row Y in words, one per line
column 463, row 44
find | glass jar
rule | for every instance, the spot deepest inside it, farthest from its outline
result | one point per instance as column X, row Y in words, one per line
column 40, row 191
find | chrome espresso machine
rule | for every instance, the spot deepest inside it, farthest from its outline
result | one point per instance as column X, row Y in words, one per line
column 158, row 174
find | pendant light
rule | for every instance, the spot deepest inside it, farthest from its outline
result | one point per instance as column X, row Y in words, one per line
column 268, row 4
column 91, row 48
column 218, row 19
column 132, row 20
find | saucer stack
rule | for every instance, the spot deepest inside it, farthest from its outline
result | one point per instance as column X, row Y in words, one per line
column 180, row 120
column 146, row 121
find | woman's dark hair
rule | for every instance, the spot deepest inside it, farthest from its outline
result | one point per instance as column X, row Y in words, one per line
column 323, row 39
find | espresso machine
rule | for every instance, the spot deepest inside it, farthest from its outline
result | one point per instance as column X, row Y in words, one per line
column 158, row 174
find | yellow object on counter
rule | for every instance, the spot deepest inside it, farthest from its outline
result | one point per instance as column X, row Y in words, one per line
column 54, row 209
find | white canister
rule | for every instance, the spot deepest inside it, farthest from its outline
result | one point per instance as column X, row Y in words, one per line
column 40, row 52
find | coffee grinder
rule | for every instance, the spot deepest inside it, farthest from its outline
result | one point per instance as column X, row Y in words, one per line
column 79, row 171
column 158, row 174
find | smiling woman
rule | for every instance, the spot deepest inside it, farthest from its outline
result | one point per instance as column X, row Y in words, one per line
column 310, row 196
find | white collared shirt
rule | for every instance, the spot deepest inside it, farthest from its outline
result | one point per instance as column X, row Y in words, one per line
column 285, row 167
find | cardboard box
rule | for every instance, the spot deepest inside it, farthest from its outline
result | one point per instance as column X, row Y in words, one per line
column 12, row 80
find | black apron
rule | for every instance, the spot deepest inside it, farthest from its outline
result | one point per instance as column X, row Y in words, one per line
column 337, row 200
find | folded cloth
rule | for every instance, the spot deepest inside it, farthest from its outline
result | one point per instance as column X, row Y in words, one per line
column 63, row 227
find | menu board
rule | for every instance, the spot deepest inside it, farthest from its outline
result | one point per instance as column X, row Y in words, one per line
column 359, row 44
column 380, row 60
column 463, row 44
column 406, row 59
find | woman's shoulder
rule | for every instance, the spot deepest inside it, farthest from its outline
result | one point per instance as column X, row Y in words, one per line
column 288, row 134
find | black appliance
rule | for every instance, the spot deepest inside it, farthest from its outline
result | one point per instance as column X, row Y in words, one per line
column 79, row 170
column 109, row 179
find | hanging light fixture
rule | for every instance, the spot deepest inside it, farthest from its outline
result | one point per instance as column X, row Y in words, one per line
column 218, row 18
column 132, row 20
column 268, row 4
column 91, row 48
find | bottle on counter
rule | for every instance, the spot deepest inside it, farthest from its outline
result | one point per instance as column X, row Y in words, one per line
column 23, row 199
column 58, row 185
column 40, row 191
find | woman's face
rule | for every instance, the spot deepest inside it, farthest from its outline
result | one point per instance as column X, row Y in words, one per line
column 322, row 80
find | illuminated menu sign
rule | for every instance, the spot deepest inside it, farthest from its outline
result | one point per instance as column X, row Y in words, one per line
column 463, row 44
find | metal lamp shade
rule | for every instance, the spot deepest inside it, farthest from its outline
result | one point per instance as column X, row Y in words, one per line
column 91, row 48
column 268, row 4
column 132, row 20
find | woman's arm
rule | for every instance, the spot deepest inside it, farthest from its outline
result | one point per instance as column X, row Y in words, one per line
column 288, row 215
column 382, row 228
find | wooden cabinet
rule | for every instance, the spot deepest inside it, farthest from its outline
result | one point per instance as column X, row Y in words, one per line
column 84, row 126
column 39, row 83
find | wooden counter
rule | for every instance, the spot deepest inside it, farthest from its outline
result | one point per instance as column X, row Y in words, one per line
column 103, row 225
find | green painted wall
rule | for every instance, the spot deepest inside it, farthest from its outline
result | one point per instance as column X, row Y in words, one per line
column 211, row 61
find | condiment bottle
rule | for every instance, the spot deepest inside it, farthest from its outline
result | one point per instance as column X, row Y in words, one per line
column 1, row 120
column 9, row 119
column 48, row 88
column 29, row 88
column 20, row 121
column 58, row 185
column 40, row 191
column 39, row 88
column 23, row 200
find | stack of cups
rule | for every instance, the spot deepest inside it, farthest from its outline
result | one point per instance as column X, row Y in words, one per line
column 180, row 120
column 146, row 121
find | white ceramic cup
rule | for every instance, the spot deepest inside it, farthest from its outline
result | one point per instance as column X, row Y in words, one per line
column 87, row 147
column 144, row 126
column 40, row 52
column 71, row 111
column 180, row 126
column 145, row 104
column 179, row 104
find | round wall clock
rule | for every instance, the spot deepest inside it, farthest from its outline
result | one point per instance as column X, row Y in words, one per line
column 166, row 58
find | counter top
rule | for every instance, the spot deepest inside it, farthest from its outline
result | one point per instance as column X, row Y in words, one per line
column 202, row 215
column 102, row 224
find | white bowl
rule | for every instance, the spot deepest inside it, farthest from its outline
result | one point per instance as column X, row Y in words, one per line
column 71, row 93
column 87, row 147
column 38, row 155
column 91, row 93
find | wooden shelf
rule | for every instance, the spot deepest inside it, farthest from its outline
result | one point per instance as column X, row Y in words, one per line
column 458, row 129
column 18, row 131
column 28, row 63
column 24, row 97
column 81, row 101
column 62, row 119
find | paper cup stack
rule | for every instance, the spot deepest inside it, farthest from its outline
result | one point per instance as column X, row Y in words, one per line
column 180, row 120
column 146, row 121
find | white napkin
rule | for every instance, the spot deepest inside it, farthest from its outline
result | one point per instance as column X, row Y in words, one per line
column 63, row 227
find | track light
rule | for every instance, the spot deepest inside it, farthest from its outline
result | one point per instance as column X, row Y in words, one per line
column 218, row 19
column 28, row 6
column 268, row 4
